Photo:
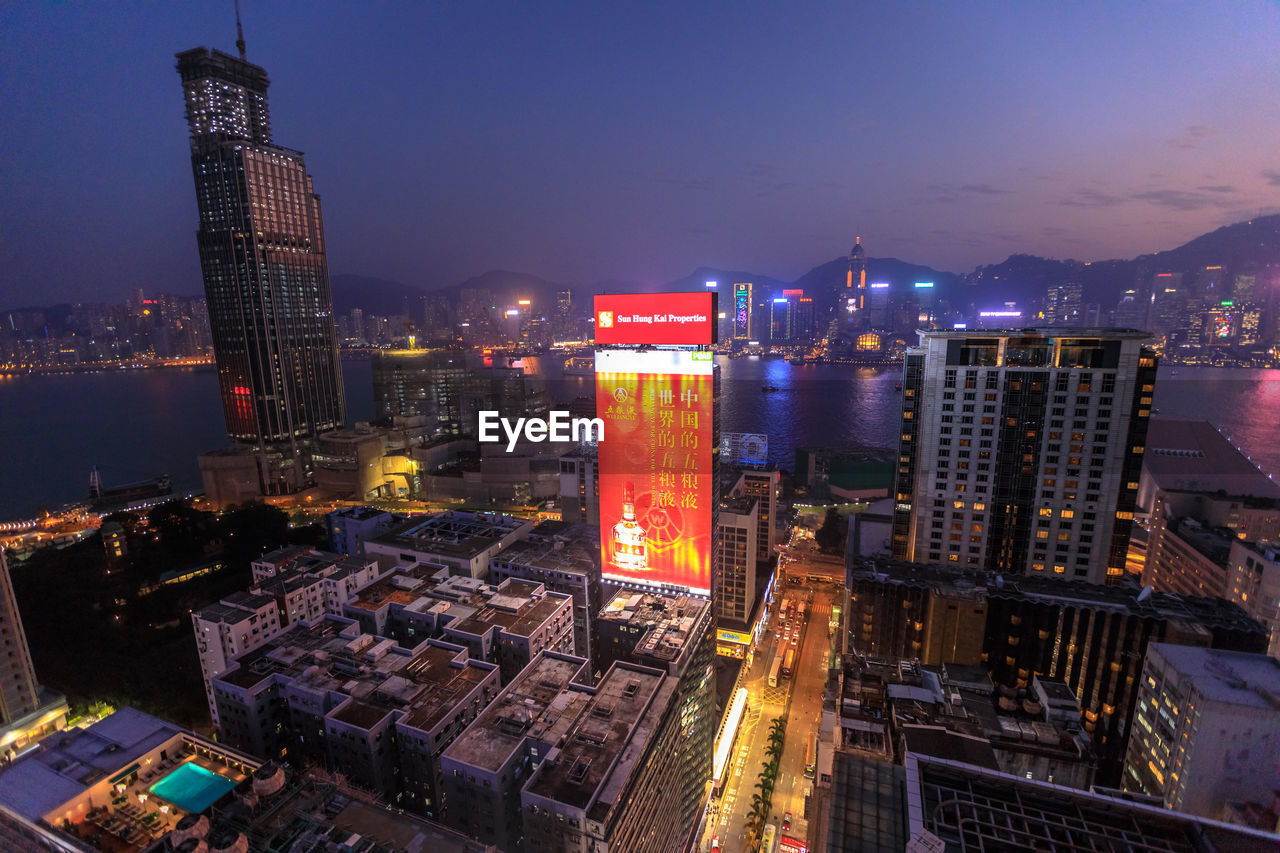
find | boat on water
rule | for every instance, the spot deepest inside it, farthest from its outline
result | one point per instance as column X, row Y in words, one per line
column 770, row 388
column 100, row 497
column 797, row 361
column 580, row 365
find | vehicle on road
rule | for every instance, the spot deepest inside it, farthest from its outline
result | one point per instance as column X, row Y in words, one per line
column 787, row 662
column 715, row 844
column 811, row 756
column 786, row 822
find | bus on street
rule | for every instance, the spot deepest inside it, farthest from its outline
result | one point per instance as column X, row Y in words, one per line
column 811, row 757
column 773, row 669
column 786, row 664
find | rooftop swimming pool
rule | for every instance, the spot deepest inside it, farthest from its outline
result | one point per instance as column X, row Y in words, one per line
column 192, row 787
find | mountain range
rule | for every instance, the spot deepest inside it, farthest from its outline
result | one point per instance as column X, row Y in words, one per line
column 1251, row 246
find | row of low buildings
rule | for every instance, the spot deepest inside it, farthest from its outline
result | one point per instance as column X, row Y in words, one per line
column 393, row 668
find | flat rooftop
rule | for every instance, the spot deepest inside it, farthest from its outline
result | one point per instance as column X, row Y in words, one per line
column 64, row 764
column 1236, row 678
column 332, row 655
column 456, row 534
column 572, row 549
column 606, row 742
column 1195, row 456
column 527, row 708
column 670, row 621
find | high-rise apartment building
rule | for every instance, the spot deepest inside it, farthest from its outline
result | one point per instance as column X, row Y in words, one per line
column 28, row 712
column 266, row 278
column 290, row 585
column 1020, row 452
column 735, row 560
column 1205, row 729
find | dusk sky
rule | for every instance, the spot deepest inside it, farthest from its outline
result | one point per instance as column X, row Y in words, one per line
column 582, row 142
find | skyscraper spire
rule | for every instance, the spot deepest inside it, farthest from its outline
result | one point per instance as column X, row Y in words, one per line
column 239, row 31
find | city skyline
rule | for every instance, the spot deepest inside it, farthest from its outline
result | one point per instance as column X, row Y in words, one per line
column 674, row 148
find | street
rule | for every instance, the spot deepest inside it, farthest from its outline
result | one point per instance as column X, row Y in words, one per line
column 798, row 697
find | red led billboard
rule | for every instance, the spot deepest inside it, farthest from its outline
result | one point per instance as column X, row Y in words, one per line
column 655, row 467
column 685, row 319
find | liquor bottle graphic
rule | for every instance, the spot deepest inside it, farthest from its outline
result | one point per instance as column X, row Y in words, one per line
column 630, row 547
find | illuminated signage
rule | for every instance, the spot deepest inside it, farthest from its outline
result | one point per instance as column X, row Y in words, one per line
column 780, row 299
column 742, row 310
column 686, row 319
column 744, row 447
column 524, row 302
column 513, row 312
column 724, row 746
column 960, row 326
column 655, row 473
column 1000, row 314
column 881, row 285
column 733, row 636
column 924, row 284
column 711, row 284
column 793, row 293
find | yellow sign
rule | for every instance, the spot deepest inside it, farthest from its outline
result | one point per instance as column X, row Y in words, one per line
column 733, row 637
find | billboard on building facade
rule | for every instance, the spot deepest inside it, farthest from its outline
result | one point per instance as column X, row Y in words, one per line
column 655, row 466
column 651, row 319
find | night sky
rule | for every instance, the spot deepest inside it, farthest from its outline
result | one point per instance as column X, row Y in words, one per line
column 582, row 142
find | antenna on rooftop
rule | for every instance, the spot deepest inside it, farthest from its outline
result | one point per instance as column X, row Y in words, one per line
column 239, row 31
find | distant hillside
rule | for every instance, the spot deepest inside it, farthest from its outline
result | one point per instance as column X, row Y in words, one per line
column 697, row 280
column 1242, row 247
column 373, row 295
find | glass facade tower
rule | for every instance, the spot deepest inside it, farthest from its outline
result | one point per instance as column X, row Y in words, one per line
column 266, row 278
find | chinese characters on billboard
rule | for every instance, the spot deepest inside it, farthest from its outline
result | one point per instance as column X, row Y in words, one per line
column 656, row 466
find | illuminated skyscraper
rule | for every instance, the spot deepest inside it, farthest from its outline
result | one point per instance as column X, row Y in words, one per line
column 742, row 327
column 856, row 284
column 266, row 277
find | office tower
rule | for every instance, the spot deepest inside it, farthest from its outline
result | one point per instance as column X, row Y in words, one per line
column 743, row 308
column 781, row 321
column 1020, row 452
column 805, row 319
column 421, row 383
column 1132, row 312
column 266, row 279
column 28, row 712
column 1062, row 305
column 1091, row 637
column 674, row 634
column 855, row 296
column 1206, row 729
